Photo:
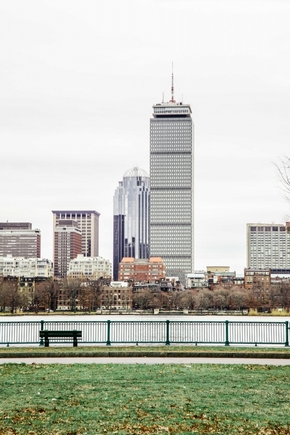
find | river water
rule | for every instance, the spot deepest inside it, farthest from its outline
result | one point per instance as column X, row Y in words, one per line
column 140, row 317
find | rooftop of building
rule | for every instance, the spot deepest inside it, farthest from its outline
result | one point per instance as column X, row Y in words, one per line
column 76, row 211
column 15, row 225
column 140, row 260
column 135, row 172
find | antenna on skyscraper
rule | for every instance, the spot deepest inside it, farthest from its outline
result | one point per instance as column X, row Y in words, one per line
column 162, row 97
column 172, row 87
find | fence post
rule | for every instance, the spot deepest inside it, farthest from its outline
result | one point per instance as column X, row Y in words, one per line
column 286, row 333
column 227, row 343
column 167, row 333
column 41, row 328
column 109, row 333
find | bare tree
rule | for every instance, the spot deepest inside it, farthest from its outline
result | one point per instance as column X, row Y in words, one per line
column 145, row 299
column 46, row 295
column 284, row 175
column 188, row 299
column 204, row 300
column 11, row 297
column 72, row 288
column 238, row 299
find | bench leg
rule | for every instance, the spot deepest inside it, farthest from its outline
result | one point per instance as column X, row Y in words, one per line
column 46, row 342
column 75, row 342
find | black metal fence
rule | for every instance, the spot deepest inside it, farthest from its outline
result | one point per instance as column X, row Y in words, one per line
column 161, row 332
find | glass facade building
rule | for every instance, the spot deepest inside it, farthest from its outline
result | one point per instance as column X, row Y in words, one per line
column 131, row 217
column 171, row 187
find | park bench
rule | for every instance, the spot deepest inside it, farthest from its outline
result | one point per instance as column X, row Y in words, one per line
column 60, row 334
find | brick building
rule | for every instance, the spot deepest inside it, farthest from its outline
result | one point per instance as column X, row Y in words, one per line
column 67, row 245
column 141, row 270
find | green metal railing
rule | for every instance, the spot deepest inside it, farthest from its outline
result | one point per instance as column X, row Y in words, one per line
column 166, row 332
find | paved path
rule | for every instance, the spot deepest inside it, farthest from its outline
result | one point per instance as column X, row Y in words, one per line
column 146, row 360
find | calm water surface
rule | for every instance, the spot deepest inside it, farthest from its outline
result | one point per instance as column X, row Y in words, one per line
column 140, row 317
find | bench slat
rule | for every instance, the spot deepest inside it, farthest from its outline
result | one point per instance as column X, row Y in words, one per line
column 60, row 334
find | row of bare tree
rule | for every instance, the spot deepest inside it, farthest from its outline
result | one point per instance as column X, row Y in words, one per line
column 220, row 298
column 47, row 295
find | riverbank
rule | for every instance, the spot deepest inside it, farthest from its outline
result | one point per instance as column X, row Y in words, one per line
column 144, row 351
column 158, row 313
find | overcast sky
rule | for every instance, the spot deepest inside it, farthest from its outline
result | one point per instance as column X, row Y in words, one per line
column 77, row 83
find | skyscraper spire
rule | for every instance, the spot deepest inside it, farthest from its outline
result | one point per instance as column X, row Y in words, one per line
column 172, row 87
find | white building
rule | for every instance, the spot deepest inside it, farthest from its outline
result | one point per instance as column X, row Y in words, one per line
column 171, row 187
column 25, row 267
column 268, row 246
column 197, row 279
column 89, row 267
column 117, row 284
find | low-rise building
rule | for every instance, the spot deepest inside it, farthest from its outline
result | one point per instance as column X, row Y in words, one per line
column 25, row 267
column 257, row 278
column 197, row 279
column 141, row 270
column 116, row 298
column 89, row 267
column 219, row 275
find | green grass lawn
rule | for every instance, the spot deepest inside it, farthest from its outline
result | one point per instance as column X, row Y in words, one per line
column 135, row 350
column 144, row 399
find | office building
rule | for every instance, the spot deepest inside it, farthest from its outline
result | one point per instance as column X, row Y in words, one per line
column 88, row 223
column 131, row 217
column 268, row 246
column 19, row 240
column 15, row 226
column 171, row 187
column 89, row 267
column 67, row 245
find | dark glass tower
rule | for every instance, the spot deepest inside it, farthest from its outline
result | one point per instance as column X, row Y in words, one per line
column 131, row 217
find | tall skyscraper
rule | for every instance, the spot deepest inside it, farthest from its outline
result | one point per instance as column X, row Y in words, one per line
column 67, row 244
column 268, row 246
column 19, row 240
column 88, row 223
column 131, row 217
column 171, row 187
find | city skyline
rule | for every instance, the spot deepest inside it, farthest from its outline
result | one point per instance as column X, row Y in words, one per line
column 76, row 100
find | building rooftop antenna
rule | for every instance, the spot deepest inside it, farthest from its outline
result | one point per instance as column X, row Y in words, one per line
column 172, row 87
